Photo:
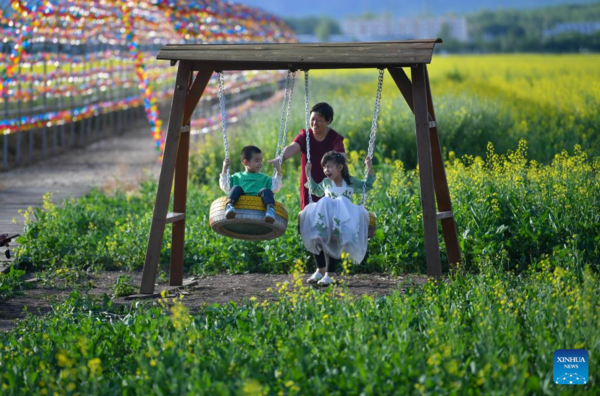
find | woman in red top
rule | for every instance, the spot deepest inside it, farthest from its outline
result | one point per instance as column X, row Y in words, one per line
column 322, row 139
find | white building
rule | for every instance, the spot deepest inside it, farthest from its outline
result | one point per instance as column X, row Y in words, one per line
column 388, row 27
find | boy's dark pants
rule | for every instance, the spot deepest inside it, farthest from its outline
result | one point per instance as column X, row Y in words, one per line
column 266, row 195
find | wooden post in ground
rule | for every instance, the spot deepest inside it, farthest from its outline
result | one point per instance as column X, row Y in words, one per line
column 442, row 192
column 165, row 181
column 432, row 247
column 181, row 178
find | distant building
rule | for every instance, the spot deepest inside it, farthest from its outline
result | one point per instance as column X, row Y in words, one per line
column 573, row 27
column 387, row 27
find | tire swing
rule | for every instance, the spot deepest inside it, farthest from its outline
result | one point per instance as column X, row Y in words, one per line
column 371, row 149
column 249, row 223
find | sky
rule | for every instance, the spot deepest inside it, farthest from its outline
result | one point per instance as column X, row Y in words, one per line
column 339, row 9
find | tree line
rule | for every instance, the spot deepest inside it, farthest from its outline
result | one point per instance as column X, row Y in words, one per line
column 507, row 30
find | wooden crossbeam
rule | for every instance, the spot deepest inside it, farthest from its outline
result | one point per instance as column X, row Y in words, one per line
column 174, row 217
column 285, row 56
column 444, row 215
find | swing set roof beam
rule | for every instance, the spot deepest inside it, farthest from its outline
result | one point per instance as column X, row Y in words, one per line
column 300, row 56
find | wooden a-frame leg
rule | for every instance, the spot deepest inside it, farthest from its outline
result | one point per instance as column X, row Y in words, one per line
column 179, row 203
column 165, row 181
column 181, row 178
column 442, row 191
column 404, row 85
column 432, row 248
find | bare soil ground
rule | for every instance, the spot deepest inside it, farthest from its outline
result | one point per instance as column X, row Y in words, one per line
column 38, row 299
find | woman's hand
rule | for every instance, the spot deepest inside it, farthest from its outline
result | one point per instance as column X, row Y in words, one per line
column 276, row 164
column 225, row 165
column 369, row 165
column 276, row 160
column 287, row 153
column 308, row 168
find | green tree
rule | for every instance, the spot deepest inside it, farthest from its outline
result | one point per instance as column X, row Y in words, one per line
column 323, row 30
column 322, row 27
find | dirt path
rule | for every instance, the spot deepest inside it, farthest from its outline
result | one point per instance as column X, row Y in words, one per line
column 118, row 161
column 122, row 160
column 207, row 291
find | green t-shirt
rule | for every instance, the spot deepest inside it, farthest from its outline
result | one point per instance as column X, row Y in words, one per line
column 252, row 183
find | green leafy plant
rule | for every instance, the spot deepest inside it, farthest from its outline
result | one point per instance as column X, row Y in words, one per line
column 473, row 334
column 123, row 286
column 11, row 283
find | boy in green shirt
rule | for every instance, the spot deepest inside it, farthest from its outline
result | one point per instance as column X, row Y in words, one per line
column 251, row 182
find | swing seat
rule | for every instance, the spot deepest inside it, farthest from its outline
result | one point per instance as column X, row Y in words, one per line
column 372, row 224
column 249, row 223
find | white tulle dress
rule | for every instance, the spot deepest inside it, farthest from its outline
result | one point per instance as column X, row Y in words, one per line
column 334, row 224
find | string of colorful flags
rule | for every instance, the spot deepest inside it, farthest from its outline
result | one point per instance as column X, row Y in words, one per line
column 104, row 49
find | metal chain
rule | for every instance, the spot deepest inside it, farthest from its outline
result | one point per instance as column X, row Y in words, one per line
column 373, row 133
column 223, row 116
column 282, row 121
column 307, row 116
column 287, row 100
column 287, row 116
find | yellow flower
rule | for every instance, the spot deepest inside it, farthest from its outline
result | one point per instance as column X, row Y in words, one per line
column 63, row 359
column 289, row 383
column 95, row 367
column 252, row 387
column 181, row 317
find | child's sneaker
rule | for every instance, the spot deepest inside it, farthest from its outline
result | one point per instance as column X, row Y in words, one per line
column 317, row 276
column 326, row 281
column 230, row 211
column 270, row 214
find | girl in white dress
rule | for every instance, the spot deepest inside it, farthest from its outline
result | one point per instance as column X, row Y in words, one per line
column 334, row 223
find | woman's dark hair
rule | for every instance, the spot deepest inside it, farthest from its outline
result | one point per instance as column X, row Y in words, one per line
column 324, row 109
column 248, row 152
column 338, row 159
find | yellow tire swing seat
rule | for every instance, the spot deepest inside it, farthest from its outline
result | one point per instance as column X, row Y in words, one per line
column 249, row 222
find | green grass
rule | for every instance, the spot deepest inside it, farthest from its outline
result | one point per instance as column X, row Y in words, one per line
column 11, row 283
column 487, row 334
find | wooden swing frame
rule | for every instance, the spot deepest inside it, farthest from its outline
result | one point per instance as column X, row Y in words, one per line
column 206, row 59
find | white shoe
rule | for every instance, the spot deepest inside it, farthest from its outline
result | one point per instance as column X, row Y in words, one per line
column 317, row 276
column 326, row 281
